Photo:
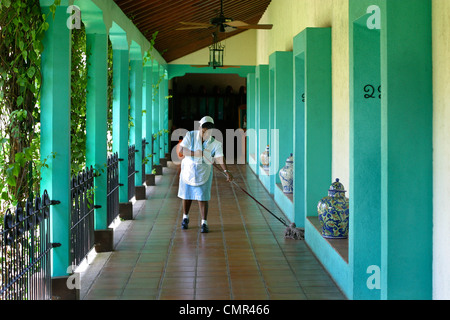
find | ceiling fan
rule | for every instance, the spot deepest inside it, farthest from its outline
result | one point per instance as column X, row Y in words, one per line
column 224, row 24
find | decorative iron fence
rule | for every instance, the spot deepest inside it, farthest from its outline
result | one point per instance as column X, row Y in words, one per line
column 144, row 146
column 113, row 188
column 25, row 251
column 131, row 171
column 82, row 217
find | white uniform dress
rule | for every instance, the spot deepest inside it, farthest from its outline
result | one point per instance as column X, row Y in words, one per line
column 196, row 173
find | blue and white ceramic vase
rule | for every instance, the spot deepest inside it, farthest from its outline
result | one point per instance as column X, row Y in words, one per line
column 333, row 212
column 265, row 159
column 287, row 176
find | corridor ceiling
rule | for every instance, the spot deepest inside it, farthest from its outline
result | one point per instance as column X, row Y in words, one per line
column 165, row 16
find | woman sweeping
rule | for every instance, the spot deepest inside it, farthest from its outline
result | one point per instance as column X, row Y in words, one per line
column 200, row 150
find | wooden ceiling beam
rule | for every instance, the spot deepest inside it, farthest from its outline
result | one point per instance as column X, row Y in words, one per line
column 165, row 16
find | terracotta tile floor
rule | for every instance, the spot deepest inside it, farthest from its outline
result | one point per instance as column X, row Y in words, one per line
column 244, row 257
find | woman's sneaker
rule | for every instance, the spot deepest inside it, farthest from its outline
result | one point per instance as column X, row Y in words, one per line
column 185, row 224
column 205, row 228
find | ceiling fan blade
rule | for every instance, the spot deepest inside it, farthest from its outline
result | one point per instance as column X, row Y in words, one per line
column 258, row 26
column 243, row 25
column 197, row 24
column 229, row 67
column 191, row 28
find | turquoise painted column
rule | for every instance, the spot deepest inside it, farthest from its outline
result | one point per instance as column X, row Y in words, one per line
column 270, row 184
column 166, row 112
column 136, row 80
column 55, row 131
column 120, row 106
column 147, row 118
column 96, row 115
column 318, row 117
column 277, row 95
column 299, row 129
column 407, row 154
column 262, row 87
column 162, row 110
column 251, row 106
column 255, row 124
column 365, row 153
column 281, row 64
column 313, row 124
column 155, row 113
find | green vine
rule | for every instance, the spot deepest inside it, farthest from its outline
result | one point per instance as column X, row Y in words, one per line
column 22, row 29
column 149, row 57
column 79, row 80
column 110, row 96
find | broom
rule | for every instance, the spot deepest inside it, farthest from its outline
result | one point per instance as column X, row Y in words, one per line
column 292, row 232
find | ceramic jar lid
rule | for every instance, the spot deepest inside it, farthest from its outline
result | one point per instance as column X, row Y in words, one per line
column 290, row 159
column 337, row 187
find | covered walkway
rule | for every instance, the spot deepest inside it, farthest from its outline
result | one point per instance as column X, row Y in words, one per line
column 244, row 257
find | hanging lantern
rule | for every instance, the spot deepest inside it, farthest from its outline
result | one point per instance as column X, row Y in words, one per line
column 216, row 51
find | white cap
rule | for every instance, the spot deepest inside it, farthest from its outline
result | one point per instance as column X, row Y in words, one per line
column 206, row 120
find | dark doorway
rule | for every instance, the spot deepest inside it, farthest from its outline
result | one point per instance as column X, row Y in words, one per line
column 222, row 97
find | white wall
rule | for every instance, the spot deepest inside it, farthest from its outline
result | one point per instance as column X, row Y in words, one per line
column 290, row 17
column 441, row 145
column 239, row 50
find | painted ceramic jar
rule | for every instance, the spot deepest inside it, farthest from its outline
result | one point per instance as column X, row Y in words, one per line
column 333, row 212
column 265, row 159
column 287, row 176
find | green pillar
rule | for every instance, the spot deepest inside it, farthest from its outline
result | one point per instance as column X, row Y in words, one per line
column 166, row 112
column 281, row 147
column 155, row 113
column 147, row 118
column 299, row 128
column 96, row 118
column 55, row 131
column 318, row 117
column 251, row 106
column 136, row 79
column 407, row 150
column 281, row 63
column 271, row 131
column 120, row 106
column 365, row 153
column 262, row 96
column 162, row 110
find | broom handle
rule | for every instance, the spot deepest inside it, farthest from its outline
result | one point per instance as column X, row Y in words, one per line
column 245, row 191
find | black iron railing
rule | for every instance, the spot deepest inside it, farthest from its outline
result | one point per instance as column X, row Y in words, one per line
column 144, row 146
column 131, row 171
column 82, row 217
column 113, row 188
column 25, row 251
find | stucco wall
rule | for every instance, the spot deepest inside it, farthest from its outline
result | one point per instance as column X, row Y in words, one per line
column 289, row 18
column 239, row 50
